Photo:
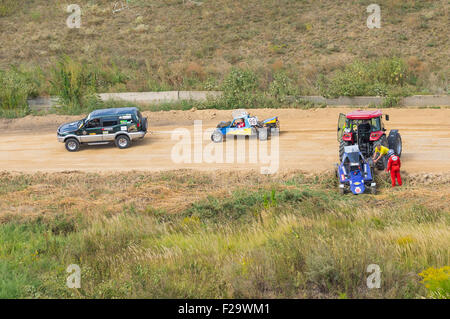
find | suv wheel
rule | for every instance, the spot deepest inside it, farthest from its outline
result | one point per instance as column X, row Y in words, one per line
column 72, row 145
column 144, row 124
column 122, row 141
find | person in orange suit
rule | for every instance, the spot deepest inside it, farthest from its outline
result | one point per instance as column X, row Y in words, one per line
column 393, row 166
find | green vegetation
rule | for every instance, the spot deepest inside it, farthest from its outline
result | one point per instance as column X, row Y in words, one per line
column 240, row 88
column 294, row 237
column 378, row 78
column 76, row 84
column 73, row 84
column 437, row 281
column 8, row 7
column 268, row 53
column 16, row 86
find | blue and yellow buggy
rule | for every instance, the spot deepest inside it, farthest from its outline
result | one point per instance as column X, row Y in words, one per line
column 355, row 173
column 246, row 125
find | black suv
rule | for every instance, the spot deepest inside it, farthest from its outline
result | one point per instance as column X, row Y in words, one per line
column 119, row 125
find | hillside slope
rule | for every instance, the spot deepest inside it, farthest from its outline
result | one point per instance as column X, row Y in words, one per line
column 162, row 43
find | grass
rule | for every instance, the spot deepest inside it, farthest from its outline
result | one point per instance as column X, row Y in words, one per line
column 182, row 236
column 8, row 7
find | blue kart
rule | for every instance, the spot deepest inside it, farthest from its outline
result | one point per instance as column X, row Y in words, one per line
column 355, row 173
column 246, row 125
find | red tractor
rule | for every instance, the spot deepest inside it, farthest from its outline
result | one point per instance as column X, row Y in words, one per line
column 366, row 128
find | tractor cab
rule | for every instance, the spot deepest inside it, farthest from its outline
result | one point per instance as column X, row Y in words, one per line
column 363, row 128
column 367, row 123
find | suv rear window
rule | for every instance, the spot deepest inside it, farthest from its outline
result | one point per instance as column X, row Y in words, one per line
column 110, row 122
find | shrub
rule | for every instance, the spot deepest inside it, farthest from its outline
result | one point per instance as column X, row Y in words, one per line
column 367, row 78
column 282, row 86
column 16, row 86
column 352, row 81
column 106, row 76
column 244, row 205
column 74, row 84
column 437, row 282
column 235, row 208
column 240, row 88
column 391, row 101
column 390, row 71
column 14, row 91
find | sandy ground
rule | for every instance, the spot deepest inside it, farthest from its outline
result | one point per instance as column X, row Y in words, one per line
column 307, row 141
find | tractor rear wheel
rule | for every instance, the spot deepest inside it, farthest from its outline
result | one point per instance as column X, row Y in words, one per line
column 395, row 142
column 384, row 141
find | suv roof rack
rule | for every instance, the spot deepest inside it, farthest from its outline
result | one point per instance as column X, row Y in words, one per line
column 112, row 111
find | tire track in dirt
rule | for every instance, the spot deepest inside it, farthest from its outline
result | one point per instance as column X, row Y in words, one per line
column 307, row 141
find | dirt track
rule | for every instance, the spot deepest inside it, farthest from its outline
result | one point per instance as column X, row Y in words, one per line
column 307, row 141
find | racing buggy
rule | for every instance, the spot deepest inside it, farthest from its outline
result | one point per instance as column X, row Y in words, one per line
column 355, row 173
column 366, row 128
column 246, row 125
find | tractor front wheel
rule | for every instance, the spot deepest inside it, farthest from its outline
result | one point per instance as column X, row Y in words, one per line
column 380, row 165
column 342, row 149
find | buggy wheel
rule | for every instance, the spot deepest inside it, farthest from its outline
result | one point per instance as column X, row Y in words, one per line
column 373, row 190
column 276, row 126
column 217, row 137
column 263, row 134
column 341, row 190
